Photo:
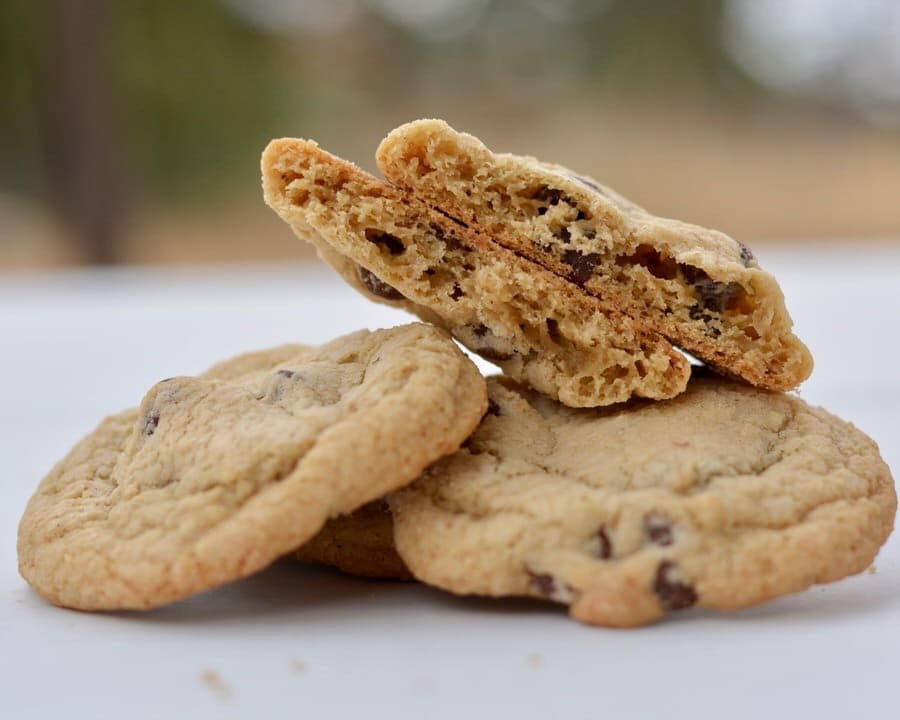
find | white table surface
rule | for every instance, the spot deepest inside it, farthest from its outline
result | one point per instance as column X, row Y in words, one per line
column 297, row 642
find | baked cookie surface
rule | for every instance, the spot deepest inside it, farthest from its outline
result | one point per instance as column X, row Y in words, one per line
column 723, row 497
column 214, row 477
column 699, row 288
column 539, row 328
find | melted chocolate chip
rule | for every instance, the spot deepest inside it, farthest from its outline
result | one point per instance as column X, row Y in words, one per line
column 712, row 294
column 604, row 552
column 386, row 241
column 672, row 594
column 563, row 234
column 457, row 292
column 377, row 286
column 547, row 194
column 582, row 265
column 450, row 240
column 544, row 582
column 657, row 264
column 489, row 353
column 493, row 407
column 553, row 330
column 480, row 330
column 658, row 530
column 747, row 257
column 151, row 422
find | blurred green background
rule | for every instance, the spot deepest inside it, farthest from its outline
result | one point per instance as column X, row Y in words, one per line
column 130, row 132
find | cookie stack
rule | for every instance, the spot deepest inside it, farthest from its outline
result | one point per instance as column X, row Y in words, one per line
column 601, row 470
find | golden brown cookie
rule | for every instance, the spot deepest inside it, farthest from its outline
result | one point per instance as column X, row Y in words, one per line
column 216, row 476
column 540, row 328
column 723, row 497
column 699, row 288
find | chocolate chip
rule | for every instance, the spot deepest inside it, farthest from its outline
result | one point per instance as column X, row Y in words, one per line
column 582, row 265
column 563, row 234
column 658, row 530
column 553, row 330
column 544, row 582
column 588, row 233
column 672, row 594
column 480, row 330
column 456, row 293
column 289, row 374
column 493, row 407
column 547, row 194
column 391, row 243
column 712, row 294
column 450, row 240
column 604, row 552
column 747, row 257
column 657, row 264
column 489, row 353
column 151, row 422
column 377, row 286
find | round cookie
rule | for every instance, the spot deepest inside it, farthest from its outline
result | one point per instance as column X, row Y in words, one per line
column 723, row 497
column 361, row 543
column 214, row 477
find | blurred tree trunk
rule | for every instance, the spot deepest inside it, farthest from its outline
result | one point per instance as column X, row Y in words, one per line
column 81, row 163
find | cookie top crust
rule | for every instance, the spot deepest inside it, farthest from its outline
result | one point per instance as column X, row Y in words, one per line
column 723, row 497
column 214, row 477
column 698, row 287
column 539, row 328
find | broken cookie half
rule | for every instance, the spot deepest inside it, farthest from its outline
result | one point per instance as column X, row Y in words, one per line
column 540, row 328
column 699, row 288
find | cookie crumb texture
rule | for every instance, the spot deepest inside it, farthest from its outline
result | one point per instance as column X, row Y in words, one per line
column 539, row 328
column 699, row 288
column 725, row 497
column 214, row 477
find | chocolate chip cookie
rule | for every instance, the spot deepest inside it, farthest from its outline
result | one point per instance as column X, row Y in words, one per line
column 723, row 497
column 699, row 288
column 214, row 477
column 539, row 328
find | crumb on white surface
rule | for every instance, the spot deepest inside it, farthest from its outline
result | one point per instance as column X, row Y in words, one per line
column 212, row 680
